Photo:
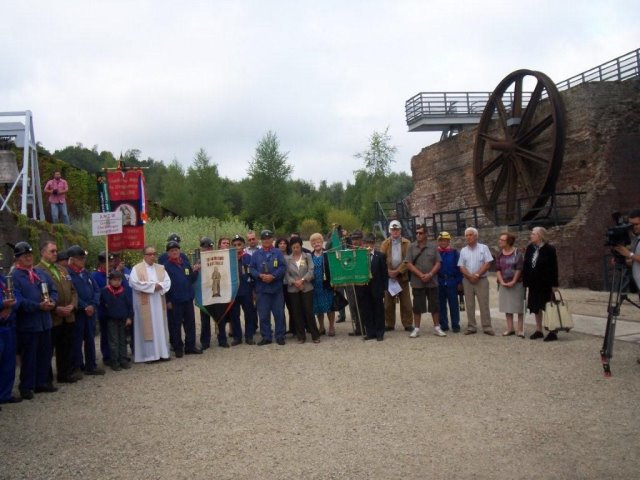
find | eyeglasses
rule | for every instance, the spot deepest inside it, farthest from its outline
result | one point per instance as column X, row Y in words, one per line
column 419, row 233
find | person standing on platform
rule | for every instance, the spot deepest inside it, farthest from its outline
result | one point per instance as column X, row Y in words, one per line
column 36, row 296
column 475, row 261
column 449, row 283
column 423, row 261
column 57, row 188
column 180, row 298
column 395, row 249
column 150, row 282
column 268, row 267
column 63, row 316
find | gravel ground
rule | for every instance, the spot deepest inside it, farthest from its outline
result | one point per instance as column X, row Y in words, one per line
column 460, row 407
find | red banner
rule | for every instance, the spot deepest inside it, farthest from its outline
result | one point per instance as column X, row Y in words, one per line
column 127, row 194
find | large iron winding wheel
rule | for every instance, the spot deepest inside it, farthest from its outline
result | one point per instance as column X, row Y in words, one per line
column 519, row 147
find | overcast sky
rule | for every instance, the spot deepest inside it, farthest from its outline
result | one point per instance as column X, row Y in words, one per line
column 169, row 78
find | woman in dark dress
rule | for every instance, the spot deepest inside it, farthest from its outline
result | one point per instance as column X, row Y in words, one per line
column 540, row 278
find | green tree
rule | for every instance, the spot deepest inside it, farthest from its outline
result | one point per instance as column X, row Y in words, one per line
column 176, row 195
column 267, row 197
column 205, row 187
column 379, row 156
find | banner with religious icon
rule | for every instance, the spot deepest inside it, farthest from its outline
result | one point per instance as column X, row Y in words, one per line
column 218, row 280
column 124, row 191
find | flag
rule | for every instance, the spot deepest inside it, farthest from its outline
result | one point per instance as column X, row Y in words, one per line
column 126, row 193
column 218, row 280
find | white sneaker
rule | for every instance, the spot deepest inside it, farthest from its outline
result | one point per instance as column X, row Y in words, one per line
column 438, row 331
column 415, row 333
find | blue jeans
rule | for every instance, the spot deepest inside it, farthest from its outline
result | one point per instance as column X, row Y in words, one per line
column 449, row 294
column 59, row 210
column 271, row 303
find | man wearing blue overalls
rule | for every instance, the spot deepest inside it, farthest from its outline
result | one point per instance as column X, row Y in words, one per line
column 268, row 267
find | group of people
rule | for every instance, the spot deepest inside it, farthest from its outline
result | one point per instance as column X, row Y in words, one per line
column 54, row 306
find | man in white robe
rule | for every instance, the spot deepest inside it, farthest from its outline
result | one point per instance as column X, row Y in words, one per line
column 150, row 282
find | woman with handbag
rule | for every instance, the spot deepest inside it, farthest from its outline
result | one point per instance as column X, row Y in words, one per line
column 510, row 289
column 322, row 290
column 540, row 278
column 300, row 285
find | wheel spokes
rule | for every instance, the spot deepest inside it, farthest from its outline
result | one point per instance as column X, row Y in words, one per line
column 529, row 112
column 538, row 128
column 491, row 166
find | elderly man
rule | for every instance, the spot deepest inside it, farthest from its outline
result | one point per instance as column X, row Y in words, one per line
column 423, row 261
column 268, row 267
column 63, row 315
column 88, row 301
column 36, row 296
column 150, row 282
column 449, row 279
column 180, row 301
column 395, row 249
column 244, row 297
column 474, row 262
column 370, row 297
column 252, row 243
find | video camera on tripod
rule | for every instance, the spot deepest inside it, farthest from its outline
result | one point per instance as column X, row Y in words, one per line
column 619, row 233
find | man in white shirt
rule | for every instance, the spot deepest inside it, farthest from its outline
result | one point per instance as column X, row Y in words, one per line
column 475, row 261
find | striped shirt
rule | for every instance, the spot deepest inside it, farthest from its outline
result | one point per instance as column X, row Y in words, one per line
column 473, row 258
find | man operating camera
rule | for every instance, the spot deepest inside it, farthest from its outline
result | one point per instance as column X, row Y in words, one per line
column 632, row 254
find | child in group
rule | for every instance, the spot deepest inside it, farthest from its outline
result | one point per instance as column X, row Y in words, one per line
column 119, row 311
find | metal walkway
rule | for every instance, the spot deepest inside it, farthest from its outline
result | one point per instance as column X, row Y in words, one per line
column 452, row 112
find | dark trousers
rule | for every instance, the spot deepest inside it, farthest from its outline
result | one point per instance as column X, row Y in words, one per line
column 105, row 348
column 117, row 341
column 268, row 304
column 205, row 329
column 62, row 339
column 289, row 308
column 221, row 312
column 448, row 294
column 182, row 316
column 250, row 316
column 302, row 313
column 35, row 359
column 371, row 311
column 7, row 360
column 84, row 333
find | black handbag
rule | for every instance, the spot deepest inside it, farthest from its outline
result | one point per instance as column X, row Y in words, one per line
column 339, row 302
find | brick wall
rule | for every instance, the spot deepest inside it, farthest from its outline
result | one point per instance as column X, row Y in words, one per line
column 602, row 158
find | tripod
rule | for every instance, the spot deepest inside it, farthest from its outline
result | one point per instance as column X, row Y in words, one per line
column 617, row 294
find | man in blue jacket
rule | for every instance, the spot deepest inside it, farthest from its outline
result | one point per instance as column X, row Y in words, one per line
column 8, row 308
column 244, row 297
column 449, row 281
column 36, row 295
column 268, row 267
column 88, row 302
column 180, row 309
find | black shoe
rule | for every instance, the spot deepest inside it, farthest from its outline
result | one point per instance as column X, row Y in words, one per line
column 551, row 337
column 26, row 394
column 455, row 329
column 379, row 339
column 264, row 342
column 179, row 353
column 48, row 388
column 354, row 334
column 204, row 347
column 125, row 365
column 250, row 341
column 224, row 345
column 444, row 329
column 12, row 400
column 68, row 379
column 408, row 329
column 535, row 335
column 341, row 319
column 235, row 343
column 95, row 371
column 280, row 341
column 162, row 359
column 193, row 351
column 368, row 338
column 388, row 329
